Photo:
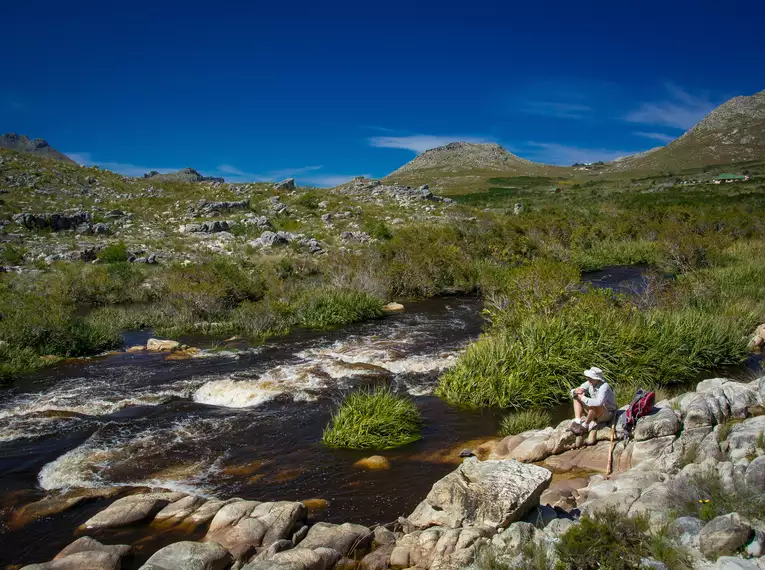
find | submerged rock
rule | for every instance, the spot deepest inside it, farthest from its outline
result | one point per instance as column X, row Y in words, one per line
column 373, row 462
column 482, row 493
column 393, row 308
column 157, row 345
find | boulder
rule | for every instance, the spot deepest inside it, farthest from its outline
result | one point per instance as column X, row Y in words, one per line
column 687, row 530
column 725, row 534
column 89, row 560
column 661, row 423
column 373, row 462
column 482, row 493
column 128, row 510
column 342, row 538
column 270, row 239
column 157, row 345
column 288, row 184
column 378, row 559
column 438, row 547
column 734, row 563
column 187, row 555
column 87, row 544
column 180, row 509
column 298, row 559
column 207, row 511
column 383, row 536
column 755, row 473
column 393, row 308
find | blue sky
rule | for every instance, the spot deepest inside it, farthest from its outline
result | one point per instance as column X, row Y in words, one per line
column 323, row 91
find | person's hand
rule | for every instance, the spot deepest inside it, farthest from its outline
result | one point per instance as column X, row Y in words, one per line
column 579, row 391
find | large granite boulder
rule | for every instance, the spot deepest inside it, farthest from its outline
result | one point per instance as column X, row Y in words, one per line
column 725, row 534
column 662, row 422
column 755, row 474
column 298, row 559
column 187, row 555
column 482, row 493
column 340, row 537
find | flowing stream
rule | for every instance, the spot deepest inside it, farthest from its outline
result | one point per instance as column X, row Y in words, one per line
column 244, row 421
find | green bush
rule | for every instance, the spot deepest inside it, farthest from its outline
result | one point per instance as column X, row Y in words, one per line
column 376, row 419
column 518, row 422
column 337, row 307
column 114, row 253
column 378, row 229
column 12, row 255
column 610, row 539
column 705, row 496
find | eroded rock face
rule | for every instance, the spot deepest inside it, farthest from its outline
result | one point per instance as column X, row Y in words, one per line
column 55, row 222
column 187, row 555
column 482, row 493
column 438, row 547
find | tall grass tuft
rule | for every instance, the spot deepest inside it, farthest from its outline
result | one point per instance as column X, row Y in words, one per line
column 518, row 422
column 337, row 307
column 377, row 419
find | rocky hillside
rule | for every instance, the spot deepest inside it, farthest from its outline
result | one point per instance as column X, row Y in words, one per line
column 183, row 175
column 460, row 165
column 734, row 132
column 40, row 147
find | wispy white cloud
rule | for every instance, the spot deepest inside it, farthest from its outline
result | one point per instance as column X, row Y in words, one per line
column 378, row 128
column 303, row 174
column 86, row 159
column 421, row 143
column 553, row 153
column 656, row 136
column 681, row 111
column 556, row 109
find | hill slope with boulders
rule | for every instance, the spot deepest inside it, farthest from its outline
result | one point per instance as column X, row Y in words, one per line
column 733, row 133
column 39, row 147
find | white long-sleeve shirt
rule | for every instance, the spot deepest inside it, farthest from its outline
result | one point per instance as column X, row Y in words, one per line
column 603, row 395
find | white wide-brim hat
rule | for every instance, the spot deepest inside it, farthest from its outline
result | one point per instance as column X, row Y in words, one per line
column 594, row 373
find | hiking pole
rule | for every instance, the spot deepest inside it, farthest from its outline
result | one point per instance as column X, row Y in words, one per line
column 611, row 449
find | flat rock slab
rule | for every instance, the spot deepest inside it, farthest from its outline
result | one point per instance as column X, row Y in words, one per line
column 91, row 560
column 87, row 544
column 56, row 503
column 189, row 555
column 340, row 537
column 131, row 509
column 482, row 493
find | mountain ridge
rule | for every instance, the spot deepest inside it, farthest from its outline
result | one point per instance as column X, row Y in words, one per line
column 39, row 147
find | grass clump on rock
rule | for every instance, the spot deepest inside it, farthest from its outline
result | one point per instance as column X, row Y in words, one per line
column 376, row 419
column 518, row 422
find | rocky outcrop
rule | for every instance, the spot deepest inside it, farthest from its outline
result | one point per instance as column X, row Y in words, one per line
column 39, row 147
column 275, row 239
column 482, row 493
column 182, row 175
column 131, row 509
column 209, row 227
column 207, row 208
column 288, row 184
column 55, row 222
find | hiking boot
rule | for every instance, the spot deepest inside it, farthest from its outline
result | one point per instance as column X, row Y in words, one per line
column 592, row 426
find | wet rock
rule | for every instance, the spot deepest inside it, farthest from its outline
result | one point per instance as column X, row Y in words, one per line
column 158, row 345
column 687, row 530
column 482, row 493
column 299, row 535
column 661, row 423
column 724, row 535
column 288, row 184
column 187, row 555
column 393, row 308
column 373, row 462
column 128, row 510
column 90, row 560
column 180, row 509
column 136, row 348
column 342, row 538
column 87, row 544
column 56, row 503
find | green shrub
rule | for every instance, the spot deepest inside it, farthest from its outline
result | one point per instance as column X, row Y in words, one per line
column 337, row 307
column 705, row 496
column 114, row 253
column 309, row 200
column 378, row 229
column 12, row 255
column 518, row 422
column 376, row 419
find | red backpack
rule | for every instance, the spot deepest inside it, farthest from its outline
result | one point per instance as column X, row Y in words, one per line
column 641, row 405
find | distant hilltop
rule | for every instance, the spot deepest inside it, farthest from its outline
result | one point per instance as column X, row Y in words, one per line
column 183, row 175
column 40, row 147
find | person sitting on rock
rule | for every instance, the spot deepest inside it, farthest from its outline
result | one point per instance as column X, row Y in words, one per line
column 596, row 398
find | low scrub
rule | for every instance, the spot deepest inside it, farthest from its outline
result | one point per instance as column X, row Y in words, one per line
column 706, row 496
column 518, row 422
column 610, row 539
column 377, row 419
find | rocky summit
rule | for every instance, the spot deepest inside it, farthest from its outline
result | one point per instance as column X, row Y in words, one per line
column 183, row 175
column 40, row 147
column 733, row 132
